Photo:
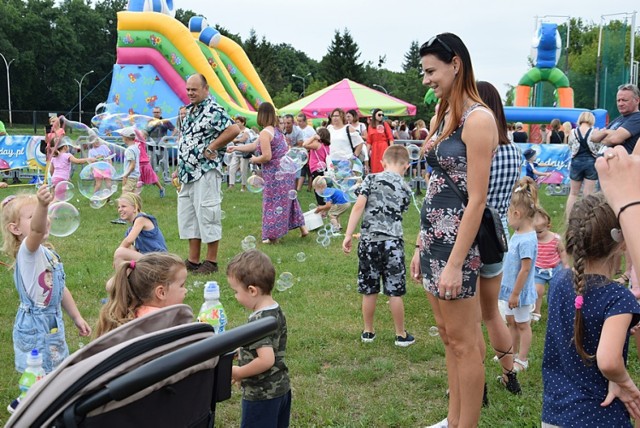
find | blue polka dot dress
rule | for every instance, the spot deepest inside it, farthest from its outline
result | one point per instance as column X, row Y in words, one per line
column 573, row 390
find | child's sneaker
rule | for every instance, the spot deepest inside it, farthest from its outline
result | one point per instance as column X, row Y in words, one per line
column 367, row 336
column 13, row 406
column 162, row 193
column 405, row 341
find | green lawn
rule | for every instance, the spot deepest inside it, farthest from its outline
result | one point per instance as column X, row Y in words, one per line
column 337, row 380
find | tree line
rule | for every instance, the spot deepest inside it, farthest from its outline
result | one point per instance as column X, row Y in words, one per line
column 55, row 44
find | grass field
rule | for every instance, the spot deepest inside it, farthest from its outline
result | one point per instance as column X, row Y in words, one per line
column 337, row 380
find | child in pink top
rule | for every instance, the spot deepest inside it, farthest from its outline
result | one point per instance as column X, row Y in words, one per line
column 318, row 147
column 147, row 174
column 551, row 257
column 60, row 167
column 139, row 287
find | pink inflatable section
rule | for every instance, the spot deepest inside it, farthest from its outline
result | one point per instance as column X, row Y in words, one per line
column 135, row 56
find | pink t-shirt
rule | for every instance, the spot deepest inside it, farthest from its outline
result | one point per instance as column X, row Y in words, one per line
column 142, row 146
column 317, row 156
column 61, row 167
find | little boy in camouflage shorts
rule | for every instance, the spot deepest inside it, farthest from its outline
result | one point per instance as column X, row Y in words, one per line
column 383, row 198
column 262, row 372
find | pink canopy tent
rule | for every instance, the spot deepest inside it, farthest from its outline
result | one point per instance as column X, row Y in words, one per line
column 347, row 95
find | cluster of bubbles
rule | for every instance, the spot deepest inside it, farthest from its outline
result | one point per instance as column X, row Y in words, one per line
column 325, row 234
column 285, row 281
column 248, row 243
column 97, row 181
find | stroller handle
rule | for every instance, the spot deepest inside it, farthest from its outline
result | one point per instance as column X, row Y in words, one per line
column 170, row 364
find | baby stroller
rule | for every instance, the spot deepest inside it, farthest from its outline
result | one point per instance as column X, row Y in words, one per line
column 159, row 370
column 556, row 185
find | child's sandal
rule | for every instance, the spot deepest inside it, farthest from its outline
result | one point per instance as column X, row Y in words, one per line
column 523, row 365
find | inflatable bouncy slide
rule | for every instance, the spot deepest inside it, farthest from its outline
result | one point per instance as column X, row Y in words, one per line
column 545, row 53
column 156, row 54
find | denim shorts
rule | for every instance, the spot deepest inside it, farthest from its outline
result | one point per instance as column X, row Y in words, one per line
column 544, row 275
column 583, row 168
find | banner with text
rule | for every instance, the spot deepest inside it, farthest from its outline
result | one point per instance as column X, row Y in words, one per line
column 21, row 151
column 558, row 156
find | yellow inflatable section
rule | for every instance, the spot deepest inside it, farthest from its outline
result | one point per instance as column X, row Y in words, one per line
column 175, row 33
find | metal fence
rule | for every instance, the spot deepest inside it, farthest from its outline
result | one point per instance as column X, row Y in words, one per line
column 38, row 119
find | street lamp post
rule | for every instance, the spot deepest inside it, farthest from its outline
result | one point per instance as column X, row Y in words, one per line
column 304, row 82
column 381, row 87
column 8, row 64
column 80, row 94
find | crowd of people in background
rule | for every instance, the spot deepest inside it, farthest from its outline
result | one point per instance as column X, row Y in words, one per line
column 469, row 149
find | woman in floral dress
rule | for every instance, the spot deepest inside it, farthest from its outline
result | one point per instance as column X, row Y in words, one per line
column 447, row 255
column 280, row 212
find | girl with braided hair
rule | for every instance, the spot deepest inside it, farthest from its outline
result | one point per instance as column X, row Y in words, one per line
column 585, row 380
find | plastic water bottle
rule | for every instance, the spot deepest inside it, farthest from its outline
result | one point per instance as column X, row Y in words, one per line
column 33, row 373
column 212, row 311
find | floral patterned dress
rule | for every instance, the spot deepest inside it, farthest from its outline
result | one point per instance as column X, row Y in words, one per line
column 279, row 213
column 442, row 212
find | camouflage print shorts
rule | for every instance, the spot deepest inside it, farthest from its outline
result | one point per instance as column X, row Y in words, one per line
column 381, row 260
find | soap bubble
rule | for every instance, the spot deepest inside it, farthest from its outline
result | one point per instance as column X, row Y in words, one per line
column 328, row 191
column 548, row 191
column 323, row 240
column 312, row 207
column 287, row 277
column 280, row 286
column 64, row 191
column 301, row 257
column 322, row 166
column 248, row 243
column 255, row 184
column 280, row 175
column 279, row 210
column 96, row 180
column 292, row 195
column 299, row 155
column 223, row 215
column 357, row 168
column 227, row 158
column 342, row 167
column 414, row 152
column 65, row 219
column 288, row 165
column 433, row 331
column 97, row 203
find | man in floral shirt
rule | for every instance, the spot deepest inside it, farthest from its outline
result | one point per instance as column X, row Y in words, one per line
column 205, row 132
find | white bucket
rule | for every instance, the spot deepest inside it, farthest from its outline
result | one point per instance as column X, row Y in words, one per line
column 312, row 220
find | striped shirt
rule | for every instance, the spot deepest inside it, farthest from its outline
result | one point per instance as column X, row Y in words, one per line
column 505, row 172
column 548, row 254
